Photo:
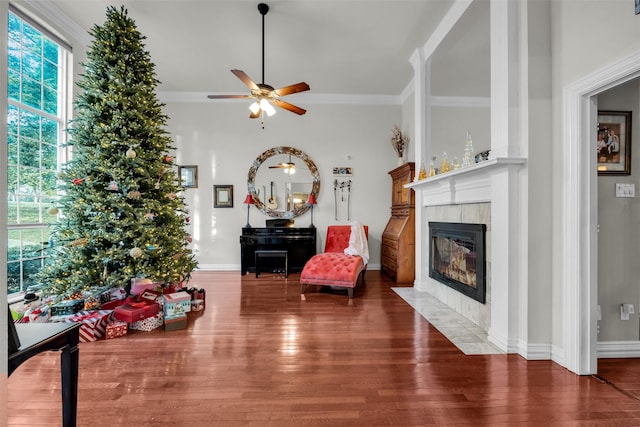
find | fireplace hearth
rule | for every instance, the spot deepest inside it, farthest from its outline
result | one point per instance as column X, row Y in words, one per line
column 457, row 257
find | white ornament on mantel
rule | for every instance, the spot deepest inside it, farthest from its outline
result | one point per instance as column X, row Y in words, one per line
column 401, row 161
column 469, row 155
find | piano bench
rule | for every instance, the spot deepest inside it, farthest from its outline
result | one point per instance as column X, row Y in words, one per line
column 264, row 253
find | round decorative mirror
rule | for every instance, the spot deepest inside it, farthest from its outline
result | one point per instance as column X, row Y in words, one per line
column 280, row 181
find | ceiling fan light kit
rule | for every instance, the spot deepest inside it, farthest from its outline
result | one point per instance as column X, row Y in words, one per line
column 265, row 95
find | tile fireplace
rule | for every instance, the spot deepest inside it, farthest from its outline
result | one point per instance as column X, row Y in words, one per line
column 457, row 257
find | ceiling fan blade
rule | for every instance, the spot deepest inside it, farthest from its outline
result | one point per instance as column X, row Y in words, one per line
column 245, row 79
column 227, row 96
column 288, row 106
column 253, row 115
column 288, row 90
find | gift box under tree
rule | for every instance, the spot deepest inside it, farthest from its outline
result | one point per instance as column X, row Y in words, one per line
column 94, row 323
column 116, row 329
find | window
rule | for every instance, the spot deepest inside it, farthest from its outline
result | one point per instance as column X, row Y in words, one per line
column 36, row 119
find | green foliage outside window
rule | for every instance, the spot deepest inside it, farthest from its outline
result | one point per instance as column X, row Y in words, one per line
column 34, row 124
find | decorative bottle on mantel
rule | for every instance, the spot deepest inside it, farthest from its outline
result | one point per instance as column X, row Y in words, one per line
column 432, row 167
column 423, row 171
column 444, row 166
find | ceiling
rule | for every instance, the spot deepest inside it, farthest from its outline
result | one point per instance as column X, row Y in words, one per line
column 354, row 47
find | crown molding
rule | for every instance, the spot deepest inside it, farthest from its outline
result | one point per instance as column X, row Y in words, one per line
column 307, row 98
column 461, row 101
column 59, row 20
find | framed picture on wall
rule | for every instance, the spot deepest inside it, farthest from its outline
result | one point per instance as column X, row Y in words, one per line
column 188, row 176
column 613, row 142
column 223, row 196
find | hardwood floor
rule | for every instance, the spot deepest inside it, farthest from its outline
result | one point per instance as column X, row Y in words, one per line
column 259, row 355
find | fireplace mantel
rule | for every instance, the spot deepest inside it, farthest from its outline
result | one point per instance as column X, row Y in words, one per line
column 471, row 184
column 497, row 182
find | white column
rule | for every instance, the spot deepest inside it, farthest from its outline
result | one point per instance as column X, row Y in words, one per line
column 505, row 69
column 422, row 145
column 505, row 207
column 505, row 254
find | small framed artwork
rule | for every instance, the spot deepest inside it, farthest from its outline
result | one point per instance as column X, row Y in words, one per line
column 188, row 176
column 637, row 7
column 613, row 142
column 342, row 171
column 223, row 196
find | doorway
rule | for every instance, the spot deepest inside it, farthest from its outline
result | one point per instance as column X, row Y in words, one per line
column 580, row 216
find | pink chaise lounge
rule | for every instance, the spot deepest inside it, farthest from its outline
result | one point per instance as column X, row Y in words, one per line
column 333, row 267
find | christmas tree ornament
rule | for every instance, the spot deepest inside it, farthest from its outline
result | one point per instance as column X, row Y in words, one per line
column 149, row 215
column 171, row 196
column 77, row 181
column 135, row 252
column 134, row 194
column 113, row 186
column 131, row 153
column 53, row 210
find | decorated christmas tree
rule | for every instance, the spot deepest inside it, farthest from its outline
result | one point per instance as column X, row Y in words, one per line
column 121, row 214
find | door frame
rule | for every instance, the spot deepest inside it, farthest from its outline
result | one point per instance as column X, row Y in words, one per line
column 579, row 213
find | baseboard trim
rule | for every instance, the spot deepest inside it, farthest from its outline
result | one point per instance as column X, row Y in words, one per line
column 618, row 349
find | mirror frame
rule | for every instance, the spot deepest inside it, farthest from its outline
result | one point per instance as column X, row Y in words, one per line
column 253, row 170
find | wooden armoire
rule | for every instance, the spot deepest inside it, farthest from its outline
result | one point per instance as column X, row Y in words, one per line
column 398, row 238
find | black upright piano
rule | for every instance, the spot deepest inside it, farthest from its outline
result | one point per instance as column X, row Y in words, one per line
column 299, row 242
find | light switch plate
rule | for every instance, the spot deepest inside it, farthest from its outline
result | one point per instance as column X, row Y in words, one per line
column 624, row 189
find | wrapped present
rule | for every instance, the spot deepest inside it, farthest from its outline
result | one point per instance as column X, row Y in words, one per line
column 196, row 293
column 94, row 323
column 96, row 297
column 197, row 305
column 136, row 310
column 199, row 294
column 138, row 286
column 148, row 324
column 169, row 289
column 111, row 305
column 177, row 303
column 175, row 323
column 115, row 329
column 71, row 306
column 143, row 306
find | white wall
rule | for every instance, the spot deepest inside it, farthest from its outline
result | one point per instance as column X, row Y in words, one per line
column 224, row 142
column 449, row 131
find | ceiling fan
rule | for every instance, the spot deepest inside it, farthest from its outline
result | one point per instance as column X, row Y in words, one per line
column 289, row 167
column 265, row 95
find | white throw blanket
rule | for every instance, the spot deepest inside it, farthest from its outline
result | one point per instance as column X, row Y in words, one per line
column 358, row 244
